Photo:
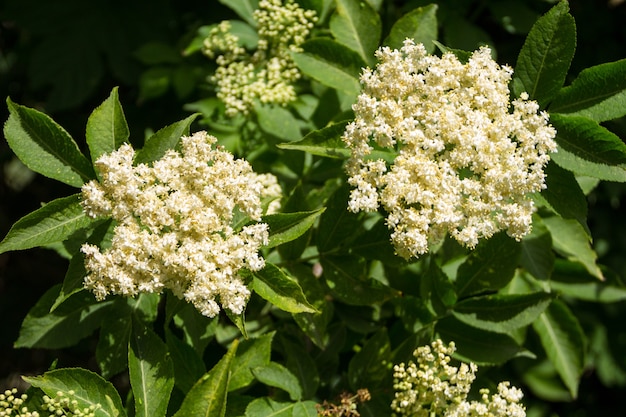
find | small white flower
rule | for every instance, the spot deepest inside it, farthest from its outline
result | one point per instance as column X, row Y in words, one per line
column 465, row 160
column 174, row 225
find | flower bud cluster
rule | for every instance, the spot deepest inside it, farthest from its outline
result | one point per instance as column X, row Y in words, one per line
column 433, row 387
column 268, row 74
column 175, row 224
column 464, row 159
column 63, row 405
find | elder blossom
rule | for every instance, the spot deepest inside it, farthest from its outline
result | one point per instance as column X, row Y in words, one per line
column 462, row 159
column 175, row 224
column 433, row 387
column 268, row 74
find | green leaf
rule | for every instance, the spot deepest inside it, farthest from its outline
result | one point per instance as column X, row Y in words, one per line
column 419, row 24
column 90, row 389
column 571, row 240
column 275, row 375
column 537, row 256
column 244, row 8
column 502, row 313
column 337, row 225
column 107, row 129
column 375, row 243
column 286, row 227
column 278, row 121
column 208, row 396
column 54, row 222
column 586, row 148
column 165, row 139
column 266, row 407
column 545, row 58
column 573, row 279
column 272, row 284
column 564, row 195
column 479, row 346
column 251, row 353
column 112, row 347
column 490, row 267
column 356, row 25
column 151, row 371
column 45, row 147
column 323, row 142
column 598, row 93
column 72, row 321
column 188, row 365
column 331, row 63
column 302, row 366
column 345, row 276
column 564, row 343
column 370, row 367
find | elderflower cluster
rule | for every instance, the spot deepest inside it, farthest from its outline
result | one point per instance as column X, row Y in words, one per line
column 465, row 159
column 63, row 405
column 268, row 74
column 433, row 387
column 175, row 224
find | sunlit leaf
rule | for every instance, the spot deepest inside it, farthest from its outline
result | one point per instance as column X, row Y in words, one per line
column 356, row 25
column 419, row 24
column 208, row 396
column 564, row 343
column 107, row 129
column 45, row 147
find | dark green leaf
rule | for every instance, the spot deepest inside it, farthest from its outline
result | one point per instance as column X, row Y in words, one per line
column 564, row 343
column 151, row 371
column 107, row 129
column 545, row 58
column 272, row 284
column 345, row 276
column 208, row 396
column 564, row 194
column 331, row 63
column 188, row 365
column 356, row 25
column 54, row 222
column 490, row 267
column 479, row 346
column 198, row 329
column 337, row 224
column 537, row 256
column 251, row 353
column 89, row 388
column 112, row 348
column 45, row 147
column 370, row 366
column 502, row 313
column 275, row 375
column 375, row 243
column 573, row 279
column 302, row 366
column 286, row 227
column 598, row 93
column 72, row 321
column 419, row 24
column 164, row 140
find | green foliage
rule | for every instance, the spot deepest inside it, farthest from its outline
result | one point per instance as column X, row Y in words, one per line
column 334, row 307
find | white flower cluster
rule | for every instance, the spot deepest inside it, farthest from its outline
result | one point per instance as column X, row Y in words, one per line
column 464, row 161
column 62, row 405
column 268, row 74
column 175, row 224
column 433, row 387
